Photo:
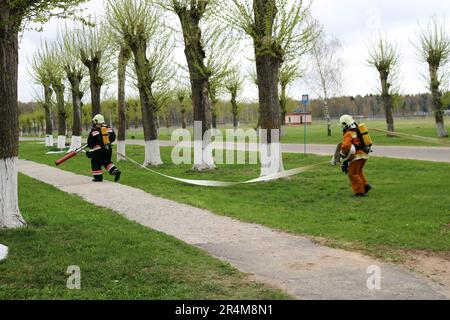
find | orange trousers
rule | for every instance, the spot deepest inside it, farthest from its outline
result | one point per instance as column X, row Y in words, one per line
column 357, row 176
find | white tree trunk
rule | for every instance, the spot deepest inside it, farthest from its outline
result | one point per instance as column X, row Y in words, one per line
column 61, row 142
column 3, row 252
column 152, row 153
column 49, row 141
column 75, row 143
column 271, row 159
column 441, row 131
column 9, row 205
column 203, row 157
column 121, row 148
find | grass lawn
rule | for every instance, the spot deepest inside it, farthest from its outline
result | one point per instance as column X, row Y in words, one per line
column 408, row 209
column 316, row 133
column 119, row 259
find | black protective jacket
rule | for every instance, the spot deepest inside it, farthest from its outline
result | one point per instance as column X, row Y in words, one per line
column 95, row 138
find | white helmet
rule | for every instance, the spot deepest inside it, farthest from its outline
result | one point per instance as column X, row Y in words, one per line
column 98, row 119
column 346, row 121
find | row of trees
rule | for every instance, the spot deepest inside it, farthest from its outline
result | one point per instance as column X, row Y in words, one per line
column 135, row 35
column 280, row 31
column 179, row 114
column 432, row 49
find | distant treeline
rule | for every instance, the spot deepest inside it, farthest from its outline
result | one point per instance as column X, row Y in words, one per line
column 32, row 115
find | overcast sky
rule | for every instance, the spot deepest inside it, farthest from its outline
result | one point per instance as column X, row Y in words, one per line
column 356, row 23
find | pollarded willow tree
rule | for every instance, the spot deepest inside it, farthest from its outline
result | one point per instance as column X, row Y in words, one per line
column 385, row 57
column 57, row 78
column 124, row 54
column 234, row 83
column 192, row 15
column 41, row 69
column 324, row 76
column 94, row 52
column 75, row 72
column 141, row 25
column 182, row 94
column 434, row 49
column 13, row 15
column 220, row 49
column 281, row 30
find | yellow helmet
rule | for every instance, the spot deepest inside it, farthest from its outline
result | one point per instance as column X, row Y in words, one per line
column 98, row 119
column 346, row 121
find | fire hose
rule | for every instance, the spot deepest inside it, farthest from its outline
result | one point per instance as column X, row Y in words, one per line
column 209, row 183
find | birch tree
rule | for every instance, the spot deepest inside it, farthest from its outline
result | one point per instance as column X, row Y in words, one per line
column 385, row 57
column 324, row 75
column 280, row 30
column 13, row 15
column 434, row 49
column 289, row 72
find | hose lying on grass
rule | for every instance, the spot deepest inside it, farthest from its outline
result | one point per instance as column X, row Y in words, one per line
column 441, row 142
column 209, row 183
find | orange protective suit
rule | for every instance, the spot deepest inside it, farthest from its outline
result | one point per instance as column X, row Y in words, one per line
column 357, row 162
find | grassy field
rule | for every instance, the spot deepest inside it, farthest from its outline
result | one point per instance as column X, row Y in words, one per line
column 408, row 209
column 119, row 259
column 316, row 133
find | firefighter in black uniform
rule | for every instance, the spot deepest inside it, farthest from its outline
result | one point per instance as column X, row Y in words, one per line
column 100, row 139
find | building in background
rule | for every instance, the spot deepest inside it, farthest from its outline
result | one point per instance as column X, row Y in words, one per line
column 298, row 118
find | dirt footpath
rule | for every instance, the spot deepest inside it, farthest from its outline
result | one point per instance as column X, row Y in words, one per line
column 293, row 263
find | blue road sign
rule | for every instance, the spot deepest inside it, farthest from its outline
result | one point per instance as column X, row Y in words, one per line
column 305, row 99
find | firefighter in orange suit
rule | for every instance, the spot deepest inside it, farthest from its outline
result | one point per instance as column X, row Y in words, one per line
column 355, row 154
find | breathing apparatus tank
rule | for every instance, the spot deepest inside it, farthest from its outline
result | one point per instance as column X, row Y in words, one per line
column 367, row 140
column 105, row 136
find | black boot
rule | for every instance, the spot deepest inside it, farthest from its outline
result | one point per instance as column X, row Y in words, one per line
column 117, row 174
column 368, row 188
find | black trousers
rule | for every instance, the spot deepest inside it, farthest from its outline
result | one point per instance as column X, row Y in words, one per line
column 102, row 158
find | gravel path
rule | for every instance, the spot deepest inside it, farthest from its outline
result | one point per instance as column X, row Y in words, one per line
column 303, row 269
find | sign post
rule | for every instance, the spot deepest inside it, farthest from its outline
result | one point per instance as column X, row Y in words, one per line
column 305, row 102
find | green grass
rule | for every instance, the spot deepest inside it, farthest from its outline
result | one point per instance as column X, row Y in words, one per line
column 316, row 133
column 119, row 259
column 408, row 209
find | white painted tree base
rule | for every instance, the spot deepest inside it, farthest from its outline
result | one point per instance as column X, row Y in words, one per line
column 75, row 143
column 441, row 131
column 203, row 155
column 3, row 252
column 49, row 141
column 271, row 159
column 61, row 142
column 121, row 148
column 152, row 153
column 9, row 206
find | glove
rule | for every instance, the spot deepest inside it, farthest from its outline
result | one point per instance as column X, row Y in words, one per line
column 344, row 167
column 89, row 154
